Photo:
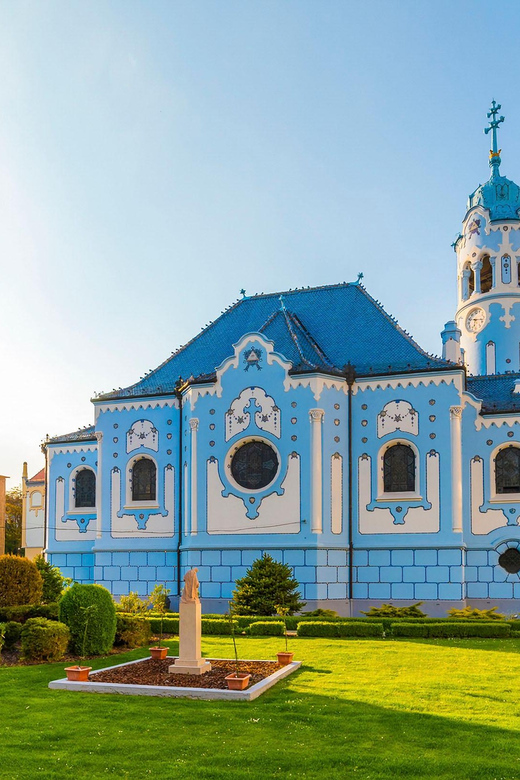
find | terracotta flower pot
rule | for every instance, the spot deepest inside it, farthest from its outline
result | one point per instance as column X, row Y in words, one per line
column 78, row 673
column 284, row 658
column 237, row 682
column 158, row 653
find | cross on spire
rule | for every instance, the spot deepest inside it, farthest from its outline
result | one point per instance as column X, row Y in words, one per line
column 493, row 125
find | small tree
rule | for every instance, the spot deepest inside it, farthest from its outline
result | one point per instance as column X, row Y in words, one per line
column 13, row 521
column 266, row 584
column 158, row 598
column 53, row 580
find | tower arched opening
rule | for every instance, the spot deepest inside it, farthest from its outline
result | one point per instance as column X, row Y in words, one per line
column 486, row 275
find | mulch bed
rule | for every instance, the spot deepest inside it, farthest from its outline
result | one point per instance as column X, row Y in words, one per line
column 150, row 672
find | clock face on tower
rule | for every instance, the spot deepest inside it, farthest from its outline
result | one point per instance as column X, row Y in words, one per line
column 475, row 320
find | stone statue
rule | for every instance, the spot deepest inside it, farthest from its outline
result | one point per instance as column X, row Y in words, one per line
column 190, row 592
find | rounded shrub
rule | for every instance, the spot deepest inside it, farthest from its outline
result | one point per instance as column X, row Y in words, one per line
column 20, row 581
column 90, row 614
column 12, row 633
column 44, row 640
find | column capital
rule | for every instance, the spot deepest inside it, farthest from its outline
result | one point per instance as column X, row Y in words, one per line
column 316, row 415
column 194, row 424
column 99, row 435
column 455, row 412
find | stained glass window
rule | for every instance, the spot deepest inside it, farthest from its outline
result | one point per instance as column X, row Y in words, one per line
column 507, row 470
column 144, row 480
column 85, row 493
column 254, row 465
column 399, row 469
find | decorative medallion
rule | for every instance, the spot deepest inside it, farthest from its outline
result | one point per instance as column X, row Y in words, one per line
column 253, row 357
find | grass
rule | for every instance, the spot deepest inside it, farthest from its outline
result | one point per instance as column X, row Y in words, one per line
column 357, row 709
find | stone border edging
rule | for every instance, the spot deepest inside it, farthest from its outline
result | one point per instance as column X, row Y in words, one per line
column 179, row 693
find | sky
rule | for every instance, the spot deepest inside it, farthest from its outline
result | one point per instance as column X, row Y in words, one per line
column 158, row 156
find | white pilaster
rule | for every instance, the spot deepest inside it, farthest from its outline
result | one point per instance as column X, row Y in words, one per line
column 456, row 468
column 99, row 486
column 194, row 426
column 316, row 420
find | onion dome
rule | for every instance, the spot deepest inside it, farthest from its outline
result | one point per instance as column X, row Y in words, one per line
column 499, row 195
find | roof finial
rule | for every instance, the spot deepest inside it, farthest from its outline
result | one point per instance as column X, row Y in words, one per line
column 243, row 293
column 359, row 277
column 494, row 152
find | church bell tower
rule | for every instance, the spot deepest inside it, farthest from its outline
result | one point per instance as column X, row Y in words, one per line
column 488, row 270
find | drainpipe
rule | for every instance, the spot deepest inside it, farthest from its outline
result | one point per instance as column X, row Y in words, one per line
column 178, row 394
column 350, row 376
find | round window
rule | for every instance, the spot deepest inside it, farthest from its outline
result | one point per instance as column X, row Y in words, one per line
column 510, row 560
column 254, row 465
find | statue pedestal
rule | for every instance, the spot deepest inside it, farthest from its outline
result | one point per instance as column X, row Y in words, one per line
column 189, row 660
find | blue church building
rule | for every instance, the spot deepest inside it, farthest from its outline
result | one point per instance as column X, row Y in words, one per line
column 309, row 425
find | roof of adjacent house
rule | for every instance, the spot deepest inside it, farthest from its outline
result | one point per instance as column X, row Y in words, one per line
column 317, row 329
column 496, row 391
column 39, row 477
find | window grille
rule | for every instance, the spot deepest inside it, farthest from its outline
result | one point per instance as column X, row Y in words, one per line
column 85, row 493
column 254, row 465
column 507, row 470
column 399, row 469
column 144, row 480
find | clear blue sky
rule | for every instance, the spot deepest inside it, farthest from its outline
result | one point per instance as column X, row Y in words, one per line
column 155, row 157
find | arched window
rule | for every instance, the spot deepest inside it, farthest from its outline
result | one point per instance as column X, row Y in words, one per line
column 144, row 480
column 507, row 470
column 468, row 281
column 399, row 469
column 85, row 492
column 486, row 275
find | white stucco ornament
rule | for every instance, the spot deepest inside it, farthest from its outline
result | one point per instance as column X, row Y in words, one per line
column 397, row 416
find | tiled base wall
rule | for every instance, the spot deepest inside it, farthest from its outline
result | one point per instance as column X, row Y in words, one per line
column 379, row 575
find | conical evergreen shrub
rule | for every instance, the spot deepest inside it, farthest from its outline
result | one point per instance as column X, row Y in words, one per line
column 266, row 585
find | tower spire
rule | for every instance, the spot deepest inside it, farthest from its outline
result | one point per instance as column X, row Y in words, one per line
column 494, row 152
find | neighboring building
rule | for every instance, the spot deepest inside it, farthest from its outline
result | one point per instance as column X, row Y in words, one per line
column 33, row 513
column 308, row 424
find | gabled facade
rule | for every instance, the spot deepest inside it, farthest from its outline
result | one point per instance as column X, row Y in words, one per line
column 308, row 424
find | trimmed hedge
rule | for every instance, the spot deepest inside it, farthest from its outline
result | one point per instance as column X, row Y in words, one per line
column 44, row 640
column 12, row 634
column 410, row 629
column 453, row 630
column 25, row 611
column 317, row 628
column 266, row 628
column 360, row 629
column 132, row 631
column 170, row 624
column 217, row 627
column 89, row 612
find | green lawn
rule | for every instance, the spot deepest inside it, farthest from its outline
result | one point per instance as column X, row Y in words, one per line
column 357, row 708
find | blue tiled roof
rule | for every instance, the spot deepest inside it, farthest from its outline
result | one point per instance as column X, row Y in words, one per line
column 321, row 328
column 84, row 434
column 495, row 392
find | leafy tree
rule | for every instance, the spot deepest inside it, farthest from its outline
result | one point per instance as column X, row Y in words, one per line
column 20, row 581
column 53, row 580
column 13, row 520
column 266, row 584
